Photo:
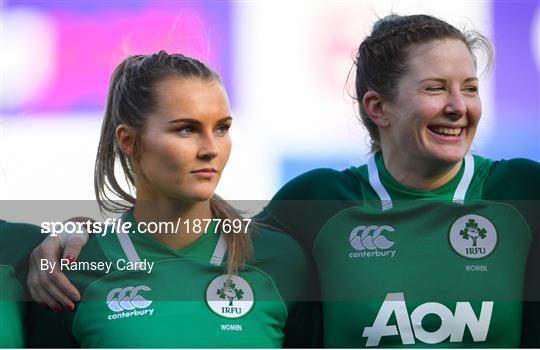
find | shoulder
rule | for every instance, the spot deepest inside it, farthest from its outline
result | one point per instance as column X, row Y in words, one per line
column 18, row 239
column 304, row 204
column 93, row 248
column 517, row 183
column 482, row 165
column 19, row 228
column 92, row 253
column 280, row 256
column 516, row 178
column 516, row 166
column 323, row 183
column 270, row 245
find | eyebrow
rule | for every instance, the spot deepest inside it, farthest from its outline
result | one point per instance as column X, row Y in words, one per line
column 195, row 121
column 444, row 80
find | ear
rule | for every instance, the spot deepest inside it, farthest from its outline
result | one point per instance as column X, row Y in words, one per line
column 125, row 137
column 374, row 106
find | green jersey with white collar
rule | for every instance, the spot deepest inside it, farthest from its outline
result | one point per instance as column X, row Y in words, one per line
column 149, row 295
column 402, row 267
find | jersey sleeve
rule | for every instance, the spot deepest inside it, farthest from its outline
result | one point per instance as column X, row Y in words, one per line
column 300, row 209
column 17, row 242
column 517, row 182
column 48, row 329
column 303, row 205
column 282, row 258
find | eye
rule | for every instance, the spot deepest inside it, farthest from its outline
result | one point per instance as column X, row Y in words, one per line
column 473, row 90
column 223, row 129
column 435, row 88
column 185, row 131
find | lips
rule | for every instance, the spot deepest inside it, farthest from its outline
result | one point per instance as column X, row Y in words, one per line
column 205, row 171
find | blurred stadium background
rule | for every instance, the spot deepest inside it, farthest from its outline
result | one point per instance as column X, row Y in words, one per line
column 284, row 64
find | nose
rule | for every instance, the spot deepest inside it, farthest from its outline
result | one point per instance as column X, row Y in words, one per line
column 455, row 105
column 208, row 147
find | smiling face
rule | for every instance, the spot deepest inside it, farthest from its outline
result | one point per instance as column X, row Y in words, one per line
column 185, row 143
column 435, row 114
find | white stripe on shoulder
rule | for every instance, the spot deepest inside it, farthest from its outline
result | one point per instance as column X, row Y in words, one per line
column 377, row 185
column 127, row 244
column 219, row 251
column 463, row 186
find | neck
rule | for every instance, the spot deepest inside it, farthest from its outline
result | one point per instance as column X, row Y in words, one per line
column 417, row 174
column 176, row 219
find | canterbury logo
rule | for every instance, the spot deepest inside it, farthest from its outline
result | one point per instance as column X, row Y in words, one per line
column 370, row 237
column 120, row 299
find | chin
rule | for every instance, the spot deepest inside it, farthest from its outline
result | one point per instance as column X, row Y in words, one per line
column 448, row 155
column 192, row 196
column 197, row 192
column 450, row 158
column 200, row 196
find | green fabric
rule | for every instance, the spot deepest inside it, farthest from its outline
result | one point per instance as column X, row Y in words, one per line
column 16, row 243
column 425, row 269
column 323, row 207
column 170, row 307
column 516, row 182
column 11, row 309
column 399, row 192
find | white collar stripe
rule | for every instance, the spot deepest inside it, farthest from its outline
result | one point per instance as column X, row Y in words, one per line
column 377, row 185
column 219, row 251
column 127, row 245
column 386, row 201
column 133, row 256
column 463, row 186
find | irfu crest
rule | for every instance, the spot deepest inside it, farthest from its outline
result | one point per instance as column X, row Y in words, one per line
column 473, row 232
column 230, row 296
column 477, row 229
column 230, row 292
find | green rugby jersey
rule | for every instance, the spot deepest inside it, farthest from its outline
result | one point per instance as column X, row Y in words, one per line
column 16, row 243
column 405, row 267
column 185, row 300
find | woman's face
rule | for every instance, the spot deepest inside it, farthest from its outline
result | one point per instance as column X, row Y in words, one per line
column 185, row 144
column 437, row 108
